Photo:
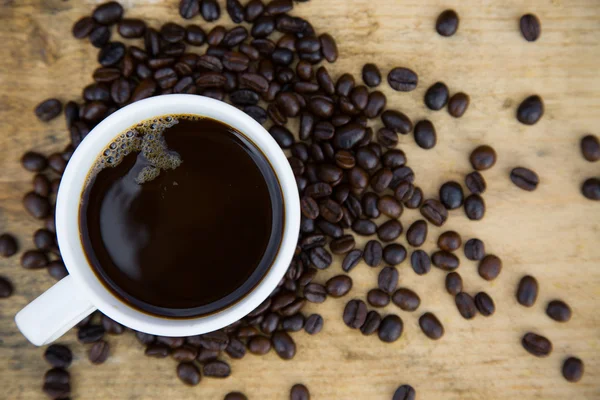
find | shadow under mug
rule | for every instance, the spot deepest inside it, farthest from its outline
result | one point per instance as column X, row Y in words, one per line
column 81, row 292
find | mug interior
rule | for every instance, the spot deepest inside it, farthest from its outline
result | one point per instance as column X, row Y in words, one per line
column 74, row 181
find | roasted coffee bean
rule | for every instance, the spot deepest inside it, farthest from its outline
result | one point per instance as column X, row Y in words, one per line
column 321, row 106
column 420, row 262
column 216, row 340
column 244, row 97
column 188, row 373
column 328, row 47
column 402, row 79
column 373, row 253
column 330, row 229
column 403, row 191
column 355, row 313
column 344, row 85
column 146, row 88
column 99, row 352
column 132, row 28
column 120, row 89
column 483, row 157
column 590, row 148
column 295, row 25
column 34, row 162
column 387, row 138
column 298, row 391
column 6, row 288
column 194, row 34
column 209, row 63
column 172, row 33
column 431, row 326
column 389, row 206
column 216, row 35
column 323, row 130
column 425, row 135
column 351, row 260
column 436, row 97
column 41, row 185
column 378, row 298
column 263, row 27
column 235, row 36
column 344, row 159
column 331, row 211
column 57, row 383
column 145, row 338
column 406, row 299
column 530, row 27
column 371, row 324
column 405, row 392
column 235, row 396
column 447, row 23
column 282, row 136
column 8, row 245
column 270, row 323
column 388, row 280
column 205, row 355
column 371, row 75
column 475, row 182
column 99, row 36
column 451, row 195
column 253, row 81
column 324, row 80
column 315, row 293
column 342, row 245
column 90, row 333
column 417, row 233
column 536, row 344
column 34, row 259
column 449, row 241
column 112, row 327
column 445, row 260
column 348, row 136
column 108, row 13
column 58, row 356
column 490, row 267
column 174, row 342
column 216, row 369
column 572, row 369
column 390, row 329
column 389, row 230
column 458, row 104
column 256, row 112
column 527, row 291
column 48, row 109
column 375, row 105
column 474, row 207
column 311, row 241
column 415, row 200
column 558, row 310
column 254, row 8
column 484, row 303
column 259, row 345
column 591, row 188
column 83, row 27
column 359, row 96
column 210, row 10
column 364, row 227
column 57, row 269
column 474, row 249
column 466, row 305
column 524, row 178
column 284, row 345
column 394, row 254
column 185, row 354
column 313, row 324
column 530, row 110
column 454, row 283
column 434, row 212
column 396, row 121
column 338, row 286
column 97, row 92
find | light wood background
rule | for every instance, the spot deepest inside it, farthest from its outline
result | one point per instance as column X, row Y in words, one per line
column 552, row 233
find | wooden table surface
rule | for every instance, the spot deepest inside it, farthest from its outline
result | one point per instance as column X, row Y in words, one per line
column 552, row 233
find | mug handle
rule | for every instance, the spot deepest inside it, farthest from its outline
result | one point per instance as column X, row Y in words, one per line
column 54, row 312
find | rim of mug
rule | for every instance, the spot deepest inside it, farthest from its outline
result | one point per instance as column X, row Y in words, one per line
column 73, row 183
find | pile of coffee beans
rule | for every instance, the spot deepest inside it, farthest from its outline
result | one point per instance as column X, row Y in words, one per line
column 350, row 175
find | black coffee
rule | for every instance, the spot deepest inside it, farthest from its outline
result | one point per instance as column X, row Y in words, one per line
column 182, row 216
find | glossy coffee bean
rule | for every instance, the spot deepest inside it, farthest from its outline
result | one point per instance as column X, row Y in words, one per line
column 573, row 369
column 355, row 313
column 536, row 344
column 390, row 329
column 417, row 233
column 402, row 79
column 531, row 110
column 527, row 291
column 524, row 178
column 434, row 212
column 454, row 283
column 406, row 299
column 378, row 298
column 436, row 97
column 490, row 267
column 431, row 326
column 445, row 260
column 558, row 310
column 474, row 207
column 475, row 182
column 484, row 303
column 458, row 104
column 451, row 195
column 394, row 254
column 483, row 157
column 466, row 305
column 590, row 148
column 530, row 27
column 420, row 262
column 474, row 249
column 447, row 23
column 425, row 134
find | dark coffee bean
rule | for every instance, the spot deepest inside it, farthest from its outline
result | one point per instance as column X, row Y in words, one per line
column 396, row 121
column 210, row 10
column 394, row 254
column 172, row 33
column 447, row 23
column 331, row 211
column 216, row 340
column 449, row 241
column 312, row 241
column 371, row 324
column 347, row 136
column 282, row 136
column 425, row 135
column 235, row 36
column 483, row 157
column 112, row 327
column 305, row 72
column 99, row 352
column 342, row 245
column 97, row 92
column 404, row 191
column 328, row 47
column 132, row 28
column 315, row 293
column 375, row 105
column 313, row 324
column 90, row 333
column 388, row 280
column 474, row 207
column 146, row 88
column 420, row 262
column 41, row 185
column 321, row 106
column 351, row 260
column 378, row 298
column 405, row 392
column 34, row 259
column 209, row 63
column 431, row 326
column 235, row 396
column 474, row 249
column 320, row 258
column 436, row 97
column 451, row 195
column 466, row 305
column 295, row 25
column 434, row 212
column 415, row 200
column 253, row 81
column 216, row 35
column 284, row 345
column 484, row 304
column 355, row 313
column 524, row 178
column 256, row 112
column 172, row 342
column 83, row 27
column 406, row 299
column 6, row 288
column 530, row 27
column 364, row 227
column 387, row 138
column 216, row 369
column 58, row 356
column 573, row 369
column 34, row 162
column 263, row 27
column 475, row 182
column 254, row 8
column 259, row 345
column 276, row 7
column 402, row 174
column 417, row 233
column 324, row 80
column 369, row 205
column 323, row 130
column 282, row 300
column 244, row 97
column 590, row 148
column 100, row 36
column 389, row 230
column 454, row 283
column 389, row 206
column 373, row 253
column 48, row 109
column 57, row 269
column 390, row 329
column 8, row 245
column 536, row 344
column 57, row 383
column 558, row 310
column 371, row 75
column 281, row 56
column 530, row 110
column 402, row 79
column 94, row 111
column 194, row 34
column 44, row 239
column 107, row 74
column 145, row 338
column 339, row 285
column 490, row 267
column 359, row 96
column 264, row 46
column 188, row 373
column 108, row 13
column 344, row 159
column 206, row 355
column 591, row 188
column 185, row 354
column 270, row 323
column 298, row 391
column 527, row 291
column 235, row 10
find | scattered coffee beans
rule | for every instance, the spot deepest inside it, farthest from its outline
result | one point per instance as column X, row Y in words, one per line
column 390, row 329
column 537, row 345
column 449, row 241
column 590, row 148
column 458, row 104
column 475, row 182
column 558, row 310
column 573, row 369
column 527, row 291
column 431, row 326
column 454, row 284
column 466, row 305
column 299, row 392
column 8, row 245
column 402, row 79
column 530, row 27
column 405, row 392
column 591, row 188
column 530, row 110
column 483, row 157
column 524, row 178
column 484, row 303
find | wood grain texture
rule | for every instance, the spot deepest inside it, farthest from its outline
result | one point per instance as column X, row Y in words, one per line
column 552, row 233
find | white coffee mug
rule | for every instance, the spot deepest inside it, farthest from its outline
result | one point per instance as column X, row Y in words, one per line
column 80, row 293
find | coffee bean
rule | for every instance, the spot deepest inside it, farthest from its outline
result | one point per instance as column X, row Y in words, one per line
column 371, row 324
column 185, row 354
column 315, row 293
column 451, row 195
column 188, row 373
column 174, row 342
column 99, row 36
column 375, row 105
column 490, row 267
column 108, row 13
column 321, row 106
column 99, row 352
column 254, row 9
column 371, row 75
column 338, row 286
column 530, row 27
column 558, row 310
column 314, row 324
column 34, row 162
column 90, row 333
column 58, row 356
column 132, row 28
column 373, row 253
column 417, row 233
column 573, row 369
column 355, row 313
column 389, row 230
column 259, row 345
column 404, row 191
column 402, row 79
column 6, row 288
column 342, row 245
column 434, row 212
column 454, row 284
column 328, row 47
column 483, row 157
column 536, row 344
column 8, row 245
column 284, row 345
column 591, row 188
column 299, row 391
column 57, row 270
column 590, row 148
column 474, row 207
column 235, row 396
column 447, row 23
column 216, row 369
column 420, row 262
column 396, row 121
column 436, row 97
column 143, row 338
column 466, row 305
column 34, row 259
column 378, row 298
column 389, row 206
column 524, row 178
column 431, row 326
column 206, row 355
column 527, row 291
column 216, row 340
column 309, row 207
column 425, row 135
column 406, row 299
column 364, row 227
column 390, row 329
column 57, row 383
column 458, row 104
column 530, row 110
column 405, row 392
column 387, row 138
column 474, row 249
column 48, row 109
column 449, row 241
column 445, row 260
column 107, row 75
column 394, row 254
column 475, row 182
column 388, row 280
column 83, row 27
column 484, row 304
